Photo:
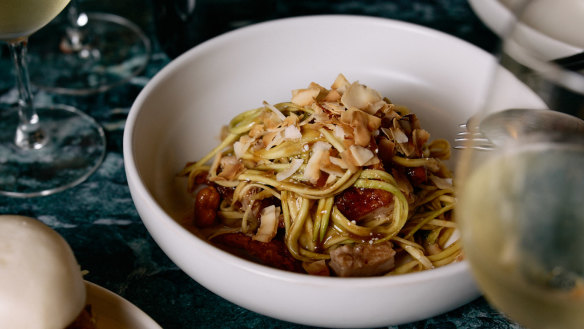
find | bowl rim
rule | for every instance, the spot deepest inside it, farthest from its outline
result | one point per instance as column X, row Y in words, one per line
column 140, row 191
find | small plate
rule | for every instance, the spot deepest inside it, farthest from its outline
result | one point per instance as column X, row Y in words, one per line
column 114, row 312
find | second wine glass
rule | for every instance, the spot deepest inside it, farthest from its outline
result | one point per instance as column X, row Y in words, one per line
column 82, row 52
column 520, row 205
column 43, row 149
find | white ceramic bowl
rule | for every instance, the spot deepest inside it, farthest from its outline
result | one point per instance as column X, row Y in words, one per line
column 178, row 116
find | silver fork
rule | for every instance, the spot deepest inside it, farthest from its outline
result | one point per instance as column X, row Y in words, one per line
column 501, row 126
column 471, row 137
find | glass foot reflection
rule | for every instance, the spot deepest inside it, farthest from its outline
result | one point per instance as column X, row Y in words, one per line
column 74, row 150
column 101, row 52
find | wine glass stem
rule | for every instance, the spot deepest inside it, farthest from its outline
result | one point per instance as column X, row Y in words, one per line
column 73, row 12
column 29, row 134
column 75, row 20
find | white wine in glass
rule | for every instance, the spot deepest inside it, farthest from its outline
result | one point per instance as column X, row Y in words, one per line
column 521, row 204
column 526, row 216
column 43, row 150
column 22, row 18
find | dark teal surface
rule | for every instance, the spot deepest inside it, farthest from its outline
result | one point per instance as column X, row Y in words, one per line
column 98, row 217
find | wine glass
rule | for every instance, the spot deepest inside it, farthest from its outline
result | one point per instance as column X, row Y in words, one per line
column 521, row 201
column 42, row 150
column 81, row 53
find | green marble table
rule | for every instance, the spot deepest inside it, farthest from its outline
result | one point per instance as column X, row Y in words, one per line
column 98, row 217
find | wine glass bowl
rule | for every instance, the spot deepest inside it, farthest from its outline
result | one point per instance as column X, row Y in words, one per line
column 520, row 209
column 21, row 18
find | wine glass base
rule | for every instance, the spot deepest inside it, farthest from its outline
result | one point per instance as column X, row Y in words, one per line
column 109, row 52
column 75, row 149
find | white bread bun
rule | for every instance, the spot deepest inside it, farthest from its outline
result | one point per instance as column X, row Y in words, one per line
column 41, row 285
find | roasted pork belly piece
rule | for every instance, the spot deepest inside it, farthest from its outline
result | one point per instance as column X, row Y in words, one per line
column 273, row 253
column 362, row 259
column 356, row 203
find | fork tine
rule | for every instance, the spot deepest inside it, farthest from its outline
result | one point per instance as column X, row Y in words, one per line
column 480, row 147
column 479, row 141
column 467, row 134
column 471, row 137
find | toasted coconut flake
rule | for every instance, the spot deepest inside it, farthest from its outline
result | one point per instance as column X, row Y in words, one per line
column 319, row 113
column 291, row 120
column 231, row 166
column 387, row 133
column 332, row 96
column 304, row 97
column 277, row 140
column 373, row 161
column 341, row 84
column 334, row 107
column 349, row 160
column 354, row 116
column 399, row 136
column 361, row 135
column 361, row 97
column 373, row 123
column 268, row 224
column 280, row 115
column 316, row 85
column 292, row 133
column 294, row 166
column 374, row 107
column 270, row 120
column 256, row 130
column 241, row 146
column 338, row 162
column 330, row 168
column 322, row 91
column 362, row 123
column 268, row 138
column 420, row 137
column 312, row 170
column 339, row 132
column 361, row 154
